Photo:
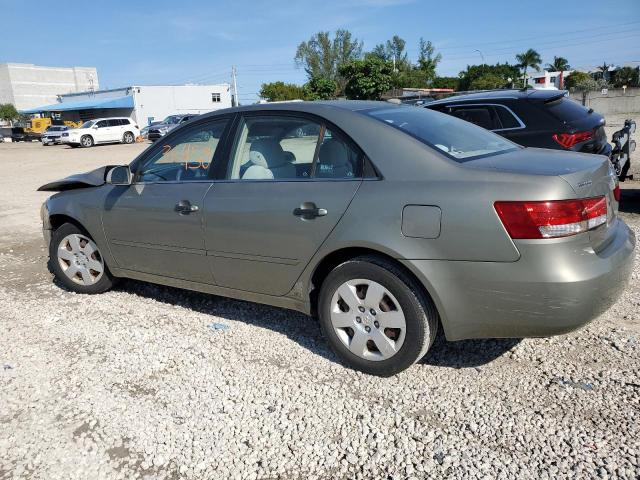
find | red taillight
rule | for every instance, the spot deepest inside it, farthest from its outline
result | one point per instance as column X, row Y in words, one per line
column 552, row 219
column 616, row 193
column 568, row 140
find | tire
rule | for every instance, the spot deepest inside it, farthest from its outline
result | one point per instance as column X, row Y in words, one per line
column 128, row 138
column 86, row 141
column 66, row 257
column 402, row 300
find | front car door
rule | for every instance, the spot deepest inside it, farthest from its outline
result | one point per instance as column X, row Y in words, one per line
column 289, row 181
column 155, row 225
column 101, row 131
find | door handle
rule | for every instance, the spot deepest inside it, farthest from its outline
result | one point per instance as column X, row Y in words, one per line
column 184, row 207
column 309, row 211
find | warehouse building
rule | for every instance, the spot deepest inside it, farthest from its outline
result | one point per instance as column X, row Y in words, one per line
column 26, row 85
column 144, row 104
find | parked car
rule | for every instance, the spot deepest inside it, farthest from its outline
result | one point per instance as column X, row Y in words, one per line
column 392, row 222
column 102, row 130
column 168, row 124
column 53, row 134
column 19, row 134
column 544, row 119
column 144, row 132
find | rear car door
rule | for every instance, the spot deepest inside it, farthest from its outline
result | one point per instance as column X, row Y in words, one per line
column 289, row 181
column 155, row 225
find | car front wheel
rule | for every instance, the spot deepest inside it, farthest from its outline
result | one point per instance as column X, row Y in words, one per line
column 375, row 316
column 77, row 262
column 86, row 141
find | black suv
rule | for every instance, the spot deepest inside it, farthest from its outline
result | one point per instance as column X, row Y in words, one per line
column 543, row 119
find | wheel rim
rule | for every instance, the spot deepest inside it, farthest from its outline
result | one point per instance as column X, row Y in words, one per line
column 80, row 259
column 368, row 319
column 86, row 141
column 128, row 138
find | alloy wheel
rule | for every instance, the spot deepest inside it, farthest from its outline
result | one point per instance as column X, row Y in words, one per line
column 80, row 259
column 368, row 319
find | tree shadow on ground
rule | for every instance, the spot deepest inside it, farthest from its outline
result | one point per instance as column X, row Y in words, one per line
column 630, row 200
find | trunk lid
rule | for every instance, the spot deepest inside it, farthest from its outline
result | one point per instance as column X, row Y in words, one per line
column 588, row 175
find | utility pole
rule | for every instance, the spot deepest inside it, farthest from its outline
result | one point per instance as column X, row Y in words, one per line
column 235, row 87
column 481, row 55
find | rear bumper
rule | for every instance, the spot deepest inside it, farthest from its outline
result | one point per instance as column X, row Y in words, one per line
column 554, row 288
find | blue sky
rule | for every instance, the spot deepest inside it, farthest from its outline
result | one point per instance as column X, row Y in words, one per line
column 178, row 41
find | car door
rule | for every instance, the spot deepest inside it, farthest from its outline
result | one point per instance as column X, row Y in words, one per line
column 283, row 194
column 101, row 131
column 155, row 225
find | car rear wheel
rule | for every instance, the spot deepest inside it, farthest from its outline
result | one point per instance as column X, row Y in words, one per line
column 77, row 262
column 375, row 317
column 86, row 141
column 128, row 138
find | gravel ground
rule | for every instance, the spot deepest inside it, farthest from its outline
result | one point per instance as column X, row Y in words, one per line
column 158, row 383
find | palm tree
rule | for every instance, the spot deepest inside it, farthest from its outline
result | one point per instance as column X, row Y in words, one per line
column 530, row 58
column 559, row 64
column 604, row 68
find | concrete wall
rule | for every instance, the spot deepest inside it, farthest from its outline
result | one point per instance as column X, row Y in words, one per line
column 616, row 101
column 27, row 85
column 154, row 103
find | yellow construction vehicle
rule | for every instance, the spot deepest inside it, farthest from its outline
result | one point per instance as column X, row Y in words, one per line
column 39, row 125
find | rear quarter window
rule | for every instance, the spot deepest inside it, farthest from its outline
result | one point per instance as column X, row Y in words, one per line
column 566, row 110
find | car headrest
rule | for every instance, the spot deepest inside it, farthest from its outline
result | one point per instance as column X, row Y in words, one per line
column 333, row 152
column 267, row 153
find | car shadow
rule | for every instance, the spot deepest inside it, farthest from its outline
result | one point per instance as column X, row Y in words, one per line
column 629, row 200
column 467, row 353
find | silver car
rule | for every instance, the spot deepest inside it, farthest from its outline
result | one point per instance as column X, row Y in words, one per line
column 387, row 221
column 53, row 135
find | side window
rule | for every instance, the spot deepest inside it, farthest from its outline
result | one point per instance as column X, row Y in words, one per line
column 274, row 147
column 506, row 118
column 113, row 122
column 183, row 157
column 102, row 124
column 483, row 116
column 338, row 158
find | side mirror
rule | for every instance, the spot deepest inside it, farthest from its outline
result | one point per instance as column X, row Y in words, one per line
column 95, row 127
column 120, row 175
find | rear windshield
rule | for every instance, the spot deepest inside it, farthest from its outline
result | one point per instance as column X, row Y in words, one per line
column 459, row 140
column 567, row 110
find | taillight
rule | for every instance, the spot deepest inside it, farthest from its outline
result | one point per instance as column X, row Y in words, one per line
column 552, row 219
column 568, row 140
column 616, row 193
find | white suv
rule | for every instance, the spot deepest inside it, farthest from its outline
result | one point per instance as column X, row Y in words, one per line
column 103, row 130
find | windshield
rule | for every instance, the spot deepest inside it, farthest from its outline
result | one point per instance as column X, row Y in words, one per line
column 88, row 124
column 171, row 120
column 459, row 140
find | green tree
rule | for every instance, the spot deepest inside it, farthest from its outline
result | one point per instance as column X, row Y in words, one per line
column 576, row 78
column 367, row 79
column 559, row 64
column 8, row 112
column 428, row 60
column 319, row 88
column 446, row 82
column 530, row 58
column 604, row 71
column 628, row 76
column 322, row 56
column 473, row 72
column 393, row 49
column 280, row 91
column 488, row 81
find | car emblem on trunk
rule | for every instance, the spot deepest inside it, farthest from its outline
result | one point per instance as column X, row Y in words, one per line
column 586, row 183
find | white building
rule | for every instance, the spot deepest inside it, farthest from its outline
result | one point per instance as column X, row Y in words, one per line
column 547, row 80
column 144, row 104
column 26, row 85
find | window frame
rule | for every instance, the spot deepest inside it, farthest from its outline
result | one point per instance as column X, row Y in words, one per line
column 221, row 150
column 234, row 137
column 494, row 105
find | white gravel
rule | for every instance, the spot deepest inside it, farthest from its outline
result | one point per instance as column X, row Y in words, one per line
column 153, row 382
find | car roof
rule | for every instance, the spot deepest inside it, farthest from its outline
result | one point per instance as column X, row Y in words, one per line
column 529, row 94
column 314, row 107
